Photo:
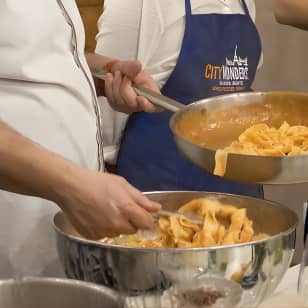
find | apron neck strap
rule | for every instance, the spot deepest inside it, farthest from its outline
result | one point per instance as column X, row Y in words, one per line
column 245, row 7
column 188, row 7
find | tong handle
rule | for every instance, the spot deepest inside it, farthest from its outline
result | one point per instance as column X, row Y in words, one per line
column 156, row 98
column 164, row 213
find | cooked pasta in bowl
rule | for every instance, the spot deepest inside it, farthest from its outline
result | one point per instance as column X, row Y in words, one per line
column 223, row 224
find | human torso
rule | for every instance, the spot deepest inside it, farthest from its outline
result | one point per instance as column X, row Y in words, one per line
column 46, row 93
column 44, row 77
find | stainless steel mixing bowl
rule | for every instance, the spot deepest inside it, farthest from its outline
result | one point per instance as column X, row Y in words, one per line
column 255, row 268
column 55, row 293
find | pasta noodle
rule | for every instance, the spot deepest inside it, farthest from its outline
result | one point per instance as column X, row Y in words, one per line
column 223, row 224
column 262, row 140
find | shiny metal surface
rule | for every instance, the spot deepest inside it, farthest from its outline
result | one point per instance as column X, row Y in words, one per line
column 148, row 277
column 156, row 98
column 193, row 218
column 55, row 293
column 244, row 168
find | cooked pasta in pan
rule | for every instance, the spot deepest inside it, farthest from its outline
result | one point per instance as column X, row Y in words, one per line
column 262, row 140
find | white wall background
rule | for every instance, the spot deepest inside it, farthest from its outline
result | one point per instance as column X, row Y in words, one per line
column 285, row 67
column 285, row 53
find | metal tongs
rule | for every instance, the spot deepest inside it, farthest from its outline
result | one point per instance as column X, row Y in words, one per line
column 191, row 217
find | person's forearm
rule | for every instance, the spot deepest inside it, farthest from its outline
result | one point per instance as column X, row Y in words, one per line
column 292, row 12
column 97, row 204
column 28, row 168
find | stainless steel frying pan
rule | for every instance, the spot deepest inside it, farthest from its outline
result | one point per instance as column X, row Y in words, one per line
column 225, row 118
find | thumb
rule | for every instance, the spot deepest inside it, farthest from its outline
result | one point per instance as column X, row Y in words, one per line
column 147, row 204
column 129, row 69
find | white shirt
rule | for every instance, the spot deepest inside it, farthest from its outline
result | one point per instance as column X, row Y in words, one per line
column 152, row 32
column 47, row 94
column 41, row 81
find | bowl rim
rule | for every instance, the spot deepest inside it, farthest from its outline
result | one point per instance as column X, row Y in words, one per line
column 179, row 250
column 60, row 282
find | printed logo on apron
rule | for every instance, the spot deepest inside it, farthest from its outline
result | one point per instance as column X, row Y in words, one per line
column 230, row 76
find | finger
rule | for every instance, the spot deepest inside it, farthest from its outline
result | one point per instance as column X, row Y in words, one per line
column 129, row 93
column 107, row 233
column 90, row 233
column 148, row 204
column 81, row 230
column 147, row 81
column 108, row 89
column 118, row 227
column 146, row 105
column 137, row 196
column 116, row 86
column 128, row 68
column 138, row 217
column 124, row 226
column 99, row 235
column 145, row 202
column 129, row 228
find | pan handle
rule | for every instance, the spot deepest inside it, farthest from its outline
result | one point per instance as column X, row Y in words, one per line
column 156, row 98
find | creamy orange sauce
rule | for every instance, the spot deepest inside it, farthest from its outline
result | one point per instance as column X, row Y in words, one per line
column 218, row 129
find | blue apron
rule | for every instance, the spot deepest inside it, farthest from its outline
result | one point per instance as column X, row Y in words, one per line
column 219, row 55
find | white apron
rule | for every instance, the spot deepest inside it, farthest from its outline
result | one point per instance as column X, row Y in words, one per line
column 47, row 94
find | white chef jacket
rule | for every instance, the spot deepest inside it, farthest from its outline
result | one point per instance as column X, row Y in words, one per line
column 152, row 32
column 47, row 94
